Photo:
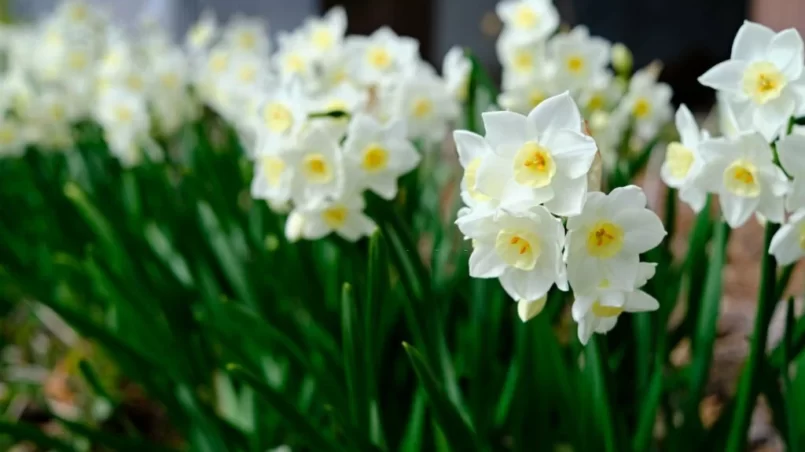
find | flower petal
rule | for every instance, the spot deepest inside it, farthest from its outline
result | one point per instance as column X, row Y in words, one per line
column 642, row 230
column 629, row 197
column 469, row 146
column 485, row 262
column 523, row 285
column 751, row 41
column 736, row 209
column 639, row 301
column 557, row 112
column 785, row 245
column 772, row 116
column 687, row 127
column 573, row 151
column 725, row 76
column 786, row 52
column 505, row 130
column 568, row 197
column 791, row 150
column 493, row 173
column 517, row 198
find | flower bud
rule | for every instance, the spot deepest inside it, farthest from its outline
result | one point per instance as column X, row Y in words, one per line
column 622, row 59
column 527, row 310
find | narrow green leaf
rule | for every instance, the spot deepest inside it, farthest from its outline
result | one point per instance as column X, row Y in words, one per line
column 750, row 385
column 93, row 380
column 117, row 443
column 648, row 414
column 299, row 422
column 792, row 409
column 352, row 352
column 455, row 428
column 596, row 358
column 376, row 294
column 415, row 430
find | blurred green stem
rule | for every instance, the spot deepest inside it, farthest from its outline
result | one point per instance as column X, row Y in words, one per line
column 597, row 357
column 750, row 379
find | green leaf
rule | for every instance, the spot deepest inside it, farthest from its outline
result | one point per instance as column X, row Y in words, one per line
column 352, row 352
column 596, row 358
column 116, row 443
column 376, row 295
column 793, row 411
column 93, row 380
column 296, row 420
column 648, row 414
column 455, row 428
column 750, row 378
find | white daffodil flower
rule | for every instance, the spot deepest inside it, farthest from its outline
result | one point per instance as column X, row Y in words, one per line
column 529, row 20
column 788, row 244
column 542, row 158
column 522, row 61
column 12, row 138
column 317, row 164
column 761, row 76
column 295, row 59
column 647, row 103
column 273, row 177
column 600, row 93
column 456, row 70
column 282, row 113
column 122, row 113
column 579, row 56
column 343, row 216
column 790, row 150
column 376, row 155
column 472, row 149
column 325, row 35
column 201, row 35
column 421, row 99
column 597, row 311
column 605, row 241
column 383, row 54
column 683, row 161
column 524, row 251
column 343, row 97
column 742, row 172
column 247, row 35
column 524, row 95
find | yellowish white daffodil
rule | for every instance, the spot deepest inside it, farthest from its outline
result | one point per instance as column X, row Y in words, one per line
column 203, row 33
column 522, row 61
column 376, row 155
column 600, row 93
column 528, row 20
column 763, row 77
column 472, row 149
column 542, row 158
column 343, row 97
column 456, row 69
column 524, row 251
column 525, row 94
column 647, row 104
column 683, row 160
column 280, row 116
column 343, row 216
column 598, row 309
column 742, row 172
column 579, row 57
column 273, row 177
column 12, row 138
column 375, row 58
column 788, row 244
column 318, row 166
column 247, row 35
column 295, row 58
column 324, row 36
column 605, row 241
column 427, row 107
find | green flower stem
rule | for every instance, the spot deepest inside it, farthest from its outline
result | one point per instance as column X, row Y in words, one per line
column 750, row 379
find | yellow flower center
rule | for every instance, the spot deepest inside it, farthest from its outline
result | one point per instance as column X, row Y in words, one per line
column 7, row 135
column 123, row 113
column 536, row 96
column 278, row 117
column 600, row 310
column 679, row 160
column 379, row 58
column 77, row 12
column 295, row 64
column 322, row 39
column 470, row 178
column 596, row 102
column 519, row 249
column 57, row 112
column 525, row 17
column 335, row 216
column 523, row 60
column 200, row 34
column 135, row 82
column 337, row 105
column 422, row 107
column 273, row 168
column 575, row 64
column 219, row 62
column 533, row 165
column 375, row 158
column 169, row 80
column 740, row 178
column 247, row 40
column 247, row 74
column 604, row 240
column 316, row 169
column 77, row 60
column 762, row 82
column 641, row 108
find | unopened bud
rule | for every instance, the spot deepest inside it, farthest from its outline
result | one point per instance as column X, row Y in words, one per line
column 622, row 59
column 527, row 310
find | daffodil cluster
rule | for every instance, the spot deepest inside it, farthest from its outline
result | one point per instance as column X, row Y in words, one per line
column 75, row 66
column 325, row 116
column 757, row 167
column 538, row 63
column 534, row 225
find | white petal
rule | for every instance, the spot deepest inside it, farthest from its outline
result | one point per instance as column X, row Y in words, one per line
column 469, row 146
column 694, row 197
column 522, row 285
column 639, row 301
column 385, row 187
column 687, row 127
column 568, row 197
column 493, row 173
column 772, row 116
column 477, row 222
column 504, row 129
column 737, row 209
column 557, row 112
column 725, row 76
column 771, row 206
column 581, row 306
column 592, row 203
column 791, row 150
column 606, row 325
column 629, row 197
column 357, row 225
column 751, row 41
column 517, row 198
column 586, row 328
column 485, row 262
column 642, row 230
column 573, row 151
column 527, row 310
column 785, row 245
column 785, row 51
column 796, row 197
